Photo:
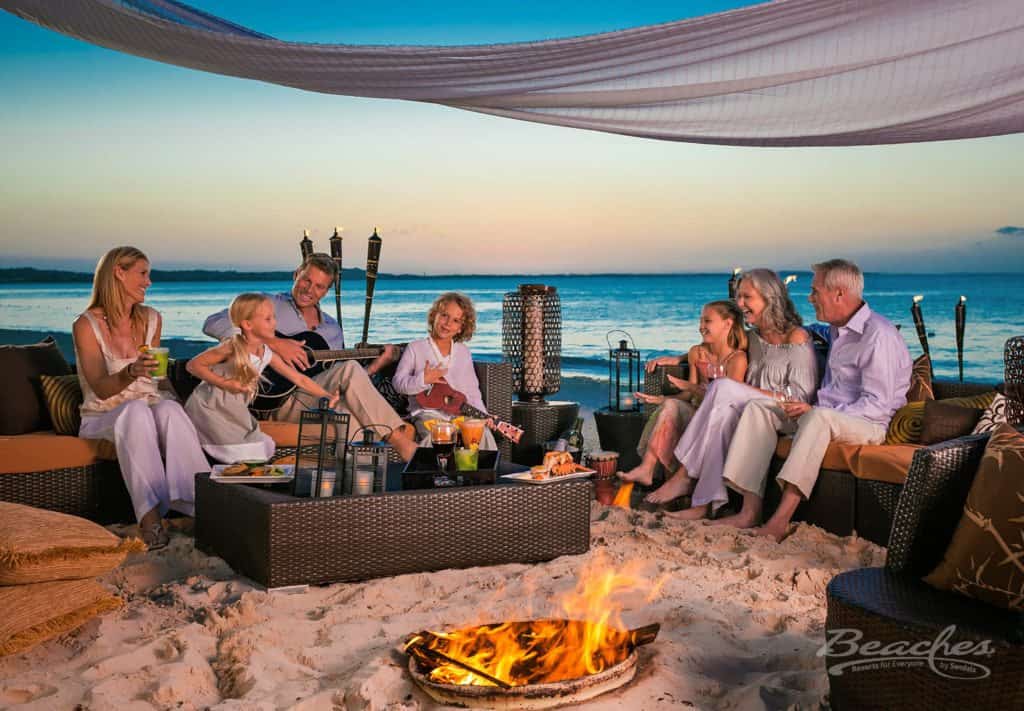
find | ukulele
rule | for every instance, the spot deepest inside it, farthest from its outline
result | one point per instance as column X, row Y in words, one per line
column 274, row 388
column 443, row 397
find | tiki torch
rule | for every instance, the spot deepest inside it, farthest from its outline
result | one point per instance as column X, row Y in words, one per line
column 733, row 281
column 789, row 280
column 922, row 335
column 306, row 245
column 336, row 258
column 372, row 263
column 960, row 310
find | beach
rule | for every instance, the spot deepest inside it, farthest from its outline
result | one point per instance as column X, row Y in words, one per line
column 742, row 620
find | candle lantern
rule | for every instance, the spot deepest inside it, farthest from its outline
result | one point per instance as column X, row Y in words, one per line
column 367, row 468
column 531, row 340
column 323, row 436
column 623, row 374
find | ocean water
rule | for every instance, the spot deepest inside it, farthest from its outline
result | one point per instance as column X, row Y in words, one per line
column 660, row 312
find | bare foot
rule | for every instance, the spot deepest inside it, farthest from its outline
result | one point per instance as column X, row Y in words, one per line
column 640, row 474
column 678, row 485
column 740, row 520
column 694, row 513
column 774, row 530
column 405, row 444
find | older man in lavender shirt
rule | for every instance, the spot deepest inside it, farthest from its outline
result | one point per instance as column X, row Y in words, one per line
column 866, row 380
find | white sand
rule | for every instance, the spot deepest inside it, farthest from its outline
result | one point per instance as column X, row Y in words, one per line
column 742, row 619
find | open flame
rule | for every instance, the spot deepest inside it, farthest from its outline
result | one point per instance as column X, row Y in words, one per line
column 591, row 639
column 622, row 495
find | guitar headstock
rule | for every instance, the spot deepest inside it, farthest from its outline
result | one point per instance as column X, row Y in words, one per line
column 510, row 431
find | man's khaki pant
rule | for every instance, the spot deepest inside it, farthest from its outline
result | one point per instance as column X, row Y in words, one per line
column 359, row 398
column 757, row 434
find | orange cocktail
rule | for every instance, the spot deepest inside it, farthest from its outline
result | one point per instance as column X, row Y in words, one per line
column 472, row 431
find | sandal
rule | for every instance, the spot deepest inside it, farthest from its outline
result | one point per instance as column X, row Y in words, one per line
column 155, row 537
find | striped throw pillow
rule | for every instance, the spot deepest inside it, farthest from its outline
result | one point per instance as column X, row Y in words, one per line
column 63, row 396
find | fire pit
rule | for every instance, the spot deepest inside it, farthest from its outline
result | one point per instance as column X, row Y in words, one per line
column 525, row 665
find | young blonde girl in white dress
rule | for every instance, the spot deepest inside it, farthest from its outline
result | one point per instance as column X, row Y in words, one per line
column 230, row 371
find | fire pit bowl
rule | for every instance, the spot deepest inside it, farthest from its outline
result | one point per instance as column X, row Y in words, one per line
column 532, row 664
column 530, row 696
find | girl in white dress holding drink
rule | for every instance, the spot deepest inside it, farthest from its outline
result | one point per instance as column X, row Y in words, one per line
column 219, row 406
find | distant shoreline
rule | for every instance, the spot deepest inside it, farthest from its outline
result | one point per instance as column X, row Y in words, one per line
column 31, row 275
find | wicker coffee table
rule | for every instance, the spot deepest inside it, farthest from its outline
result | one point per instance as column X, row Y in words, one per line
column 279, row 540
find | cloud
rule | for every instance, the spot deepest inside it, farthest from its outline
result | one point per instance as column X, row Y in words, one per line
column 1010, row 231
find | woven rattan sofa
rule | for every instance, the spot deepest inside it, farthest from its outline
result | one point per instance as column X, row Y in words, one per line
column 891, row 605
column 81, row 477
column 842, row 501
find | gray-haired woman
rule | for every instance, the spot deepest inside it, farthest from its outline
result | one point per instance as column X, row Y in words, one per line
column 781, row 361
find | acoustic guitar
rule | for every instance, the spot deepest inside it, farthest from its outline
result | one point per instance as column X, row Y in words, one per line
column 274, row 388
column 444, row 398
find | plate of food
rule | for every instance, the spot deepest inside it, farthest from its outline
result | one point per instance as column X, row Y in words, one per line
column 557, row 466
column 252, row 473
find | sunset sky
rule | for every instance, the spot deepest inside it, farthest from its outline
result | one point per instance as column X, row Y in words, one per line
column 101, row 148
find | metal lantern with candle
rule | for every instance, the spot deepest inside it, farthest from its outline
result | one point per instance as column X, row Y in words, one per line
column 323, row 436
column 623, row 374
column 367, row 468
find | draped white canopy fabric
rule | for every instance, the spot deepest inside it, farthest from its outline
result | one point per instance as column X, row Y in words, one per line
column 789, row 73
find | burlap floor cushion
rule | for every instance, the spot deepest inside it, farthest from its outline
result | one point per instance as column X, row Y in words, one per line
column 38, row 546
column 37, row 612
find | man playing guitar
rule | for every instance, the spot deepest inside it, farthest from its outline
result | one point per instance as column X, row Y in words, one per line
column 299, row 311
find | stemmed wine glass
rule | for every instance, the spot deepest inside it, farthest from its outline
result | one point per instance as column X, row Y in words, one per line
column 784, row 394
column 442, row 436
column 713, row 371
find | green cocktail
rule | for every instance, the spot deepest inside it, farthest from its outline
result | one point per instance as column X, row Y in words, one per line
column 160, row 356
column 467, row 460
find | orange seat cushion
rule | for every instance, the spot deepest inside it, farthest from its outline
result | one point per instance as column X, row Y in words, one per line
column 284, row 434
column 876, row 462
column 41, row 451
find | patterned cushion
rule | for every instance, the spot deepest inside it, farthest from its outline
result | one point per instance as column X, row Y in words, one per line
column 905, row 426
column 399, row 403
column 983, row 560
column 63, row 397
column 995, row 414
column 921, row 380
column 943, row 421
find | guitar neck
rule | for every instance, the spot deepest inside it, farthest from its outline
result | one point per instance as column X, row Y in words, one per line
column 503, row 427
column 347, row 354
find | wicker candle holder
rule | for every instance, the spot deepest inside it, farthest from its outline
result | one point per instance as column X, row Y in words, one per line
column 531, row 340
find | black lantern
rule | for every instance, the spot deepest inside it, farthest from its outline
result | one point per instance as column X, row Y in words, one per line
column 366, row 471
column 623, row 374
column 323, row 436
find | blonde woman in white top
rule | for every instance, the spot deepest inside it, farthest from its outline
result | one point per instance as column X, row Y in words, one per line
column 157, row 447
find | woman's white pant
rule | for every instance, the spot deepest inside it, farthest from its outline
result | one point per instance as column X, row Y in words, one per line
column 157, row 449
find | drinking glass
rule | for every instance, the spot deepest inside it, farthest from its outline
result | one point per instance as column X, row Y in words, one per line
column 472, row 431
column 161, row 357
column 713, row 371
column 442, row 435
column 784, row 394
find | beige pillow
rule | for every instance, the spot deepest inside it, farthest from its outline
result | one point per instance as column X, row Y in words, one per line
column 38, row 546
column 37, row 612
column 983, row 560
